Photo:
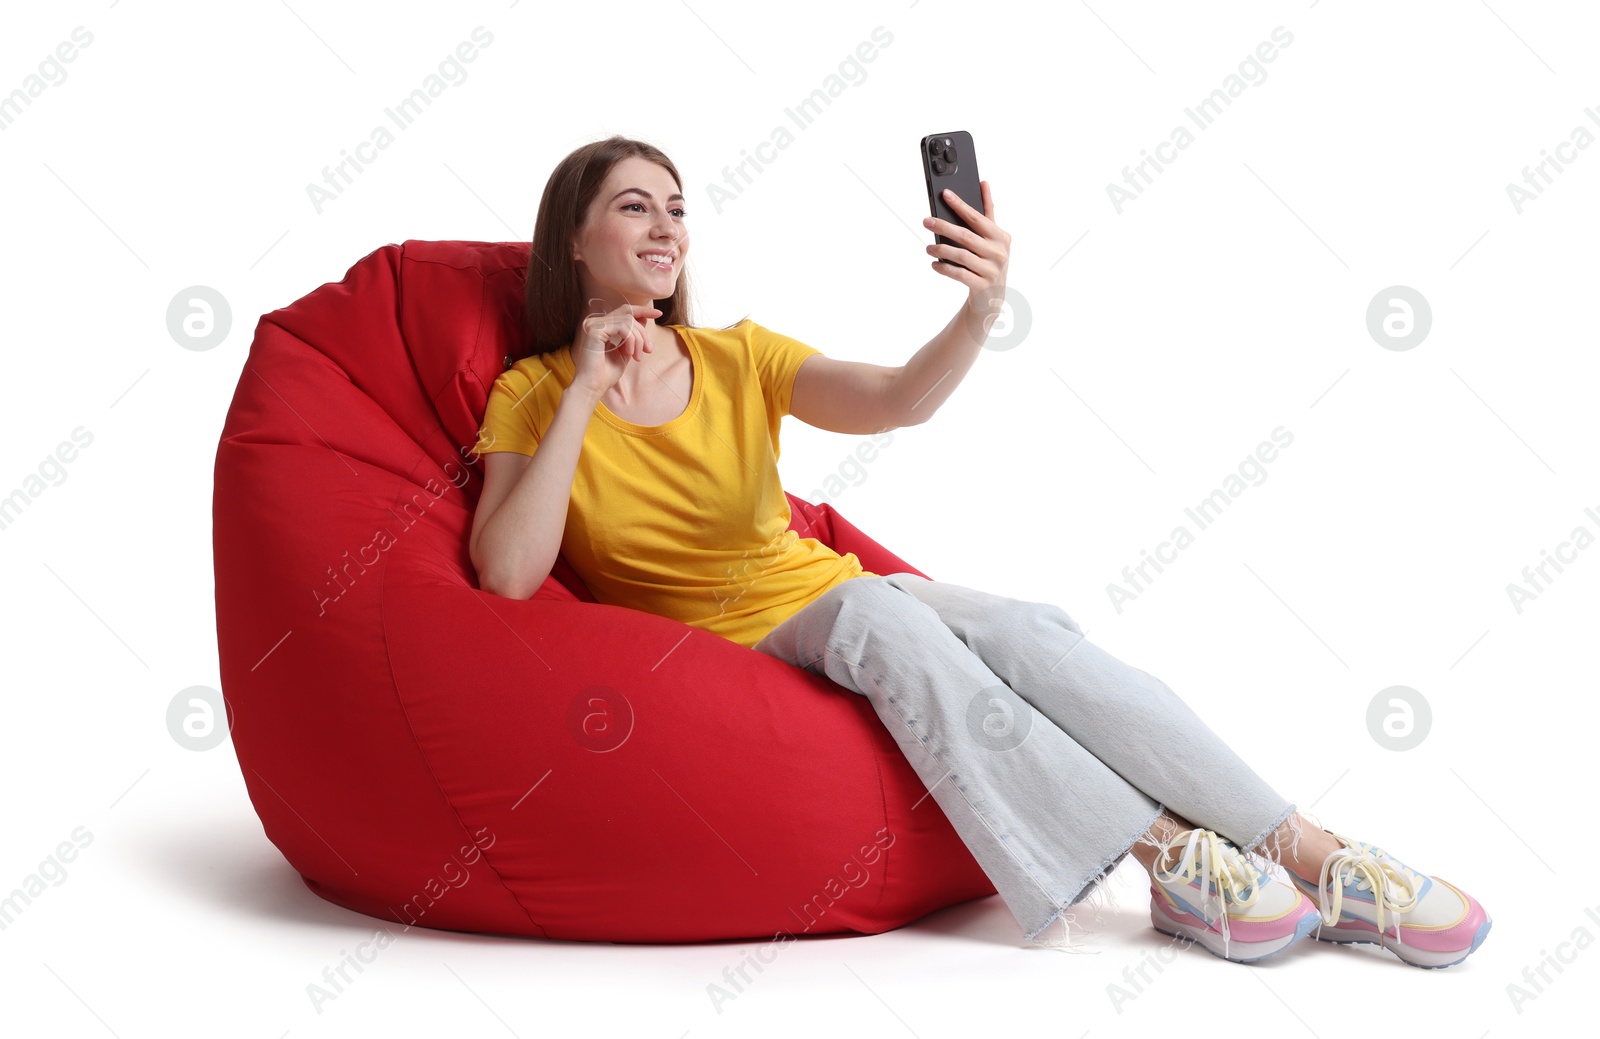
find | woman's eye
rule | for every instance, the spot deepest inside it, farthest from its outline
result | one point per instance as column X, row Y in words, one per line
column 630, row 205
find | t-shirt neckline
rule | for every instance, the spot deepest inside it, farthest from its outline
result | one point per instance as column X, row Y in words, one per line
column 696, row 392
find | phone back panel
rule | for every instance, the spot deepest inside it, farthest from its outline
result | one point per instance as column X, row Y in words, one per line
column 962, row 179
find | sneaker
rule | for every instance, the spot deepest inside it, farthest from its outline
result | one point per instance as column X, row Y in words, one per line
column 1216, row 897
column 1367, row 896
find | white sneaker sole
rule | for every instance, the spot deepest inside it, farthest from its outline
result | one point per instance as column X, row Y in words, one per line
column 1407, row 953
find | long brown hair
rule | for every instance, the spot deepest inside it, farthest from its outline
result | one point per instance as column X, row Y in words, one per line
column 552, row 299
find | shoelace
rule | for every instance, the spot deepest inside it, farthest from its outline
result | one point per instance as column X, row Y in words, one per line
column 1373, row 869
column 1219, row 861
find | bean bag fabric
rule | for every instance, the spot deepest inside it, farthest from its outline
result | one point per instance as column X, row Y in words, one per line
column 428, row 753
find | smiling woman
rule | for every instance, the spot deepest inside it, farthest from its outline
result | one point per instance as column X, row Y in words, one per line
column 634, row 444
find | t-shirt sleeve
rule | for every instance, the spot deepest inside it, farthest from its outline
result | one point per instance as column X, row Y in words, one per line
column 777, row 359
column 509, row 422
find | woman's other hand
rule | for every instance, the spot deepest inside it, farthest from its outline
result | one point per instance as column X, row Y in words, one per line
column 608, row 343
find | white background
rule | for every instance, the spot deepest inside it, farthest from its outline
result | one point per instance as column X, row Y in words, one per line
column 1166, row 341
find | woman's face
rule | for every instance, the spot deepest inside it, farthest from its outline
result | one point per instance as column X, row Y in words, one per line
column 638, row 211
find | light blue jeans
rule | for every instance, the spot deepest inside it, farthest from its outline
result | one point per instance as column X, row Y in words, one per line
column 1049, row 756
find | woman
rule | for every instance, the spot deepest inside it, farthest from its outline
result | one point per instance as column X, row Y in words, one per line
column 644, row 449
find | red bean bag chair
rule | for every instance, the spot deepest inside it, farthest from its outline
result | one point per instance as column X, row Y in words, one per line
column 428, row 753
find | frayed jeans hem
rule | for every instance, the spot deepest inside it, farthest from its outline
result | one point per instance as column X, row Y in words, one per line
column 1093, row 881
column 1274, row 854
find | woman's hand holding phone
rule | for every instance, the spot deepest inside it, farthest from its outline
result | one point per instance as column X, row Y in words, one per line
column 608, row 343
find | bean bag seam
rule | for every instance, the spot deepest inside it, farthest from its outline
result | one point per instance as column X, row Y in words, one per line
column 431, row 392
column 383, row 613
column 883, row 803
column 321, row 354
column 405, row 255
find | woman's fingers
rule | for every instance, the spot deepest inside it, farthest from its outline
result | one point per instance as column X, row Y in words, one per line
column 624, row 334
column 628, row 338
column 982, row 221
column 982, row 266
column 964, row 235
column 981, row 226
column 974, row 243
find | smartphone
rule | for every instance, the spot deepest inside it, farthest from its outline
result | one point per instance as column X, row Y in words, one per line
column 950, row 161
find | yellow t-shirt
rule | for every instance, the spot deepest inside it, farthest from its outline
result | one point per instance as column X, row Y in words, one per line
column 686, row 519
